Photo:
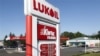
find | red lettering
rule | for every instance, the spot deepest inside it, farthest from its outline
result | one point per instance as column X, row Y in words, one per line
column 51, row 13
column 41, row 8
column 47, row 50
column 56, row 15
column 46, row 10
column 34, row 5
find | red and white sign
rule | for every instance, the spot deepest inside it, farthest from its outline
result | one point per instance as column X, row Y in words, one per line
column 17, row 37
column 48, row 50
column 41, row 8
column 42, row 28
column 46, row 32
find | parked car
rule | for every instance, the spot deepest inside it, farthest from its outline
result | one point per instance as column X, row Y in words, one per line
column 84, row 46
column 1, row 47
column 23, row 48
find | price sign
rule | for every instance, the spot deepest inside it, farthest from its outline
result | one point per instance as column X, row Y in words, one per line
column 47, row 50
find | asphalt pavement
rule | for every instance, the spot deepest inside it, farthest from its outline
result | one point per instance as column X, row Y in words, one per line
column 11, row 53
column 64, row 51
column 70, row 51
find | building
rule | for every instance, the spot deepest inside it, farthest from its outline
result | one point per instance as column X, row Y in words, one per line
column 19, row 42
column 1, row 43
column 63, row 40
column 16, row 38
column 82, row 41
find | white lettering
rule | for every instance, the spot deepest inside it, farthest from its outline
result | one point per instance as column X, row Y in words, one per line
column 48, row 33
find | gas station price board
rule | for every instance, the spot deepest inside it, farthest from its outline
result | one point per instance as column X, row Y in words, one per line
column 47, row 49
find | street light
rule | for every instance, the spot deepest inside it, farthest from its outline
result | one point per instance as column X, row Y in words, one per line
column 98, row 43
column 85, row 43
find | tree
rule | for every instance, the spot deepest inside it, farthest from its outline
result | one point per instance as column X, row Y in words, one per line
column 11, row 35
column 5, row 41
column 72, row 35
column 21, row 35
column 98, row 35
column 65, row 34
column 78, row 34
column 68, row 34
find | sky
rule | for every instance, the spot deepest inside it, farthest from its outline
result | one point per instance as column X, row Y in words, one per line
column 75, row 15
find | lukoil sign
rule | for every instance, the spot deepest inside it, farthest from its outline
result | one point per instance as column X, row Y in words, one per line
column 42, row 9
column 37, row 6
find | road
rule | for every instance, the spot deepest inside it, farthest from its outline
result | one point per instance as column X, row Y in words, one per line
column 65, row 51
column 10, row 53
column 69, row 51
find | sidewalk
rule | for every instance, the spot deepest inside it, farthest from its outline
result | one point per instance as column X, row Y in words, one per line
column 14, row 50
column 93, row 50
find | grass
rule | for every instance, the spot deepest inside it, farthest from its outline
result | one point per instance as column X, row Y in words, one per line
column 88, row 54
column 91, row 54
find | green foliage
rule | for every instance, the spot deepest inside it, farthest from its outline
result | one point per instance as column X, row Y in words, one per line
column 22, row 42
column 87, row 54
column 78, row 34
column 72, row 35
column 9, row 43
column 91, row 54
column 5, row 42
column 11, row 34
column 98, row 35
column 64, row 43
column 80, row 54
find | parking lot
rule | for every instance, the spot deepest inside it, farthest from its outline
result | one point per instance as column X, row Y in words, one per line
column 70, row 51
column 65, row 51
column 10, row 53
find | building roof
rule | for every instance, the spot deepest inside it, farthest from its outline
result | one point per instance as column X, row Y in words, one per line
column 84, row 38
